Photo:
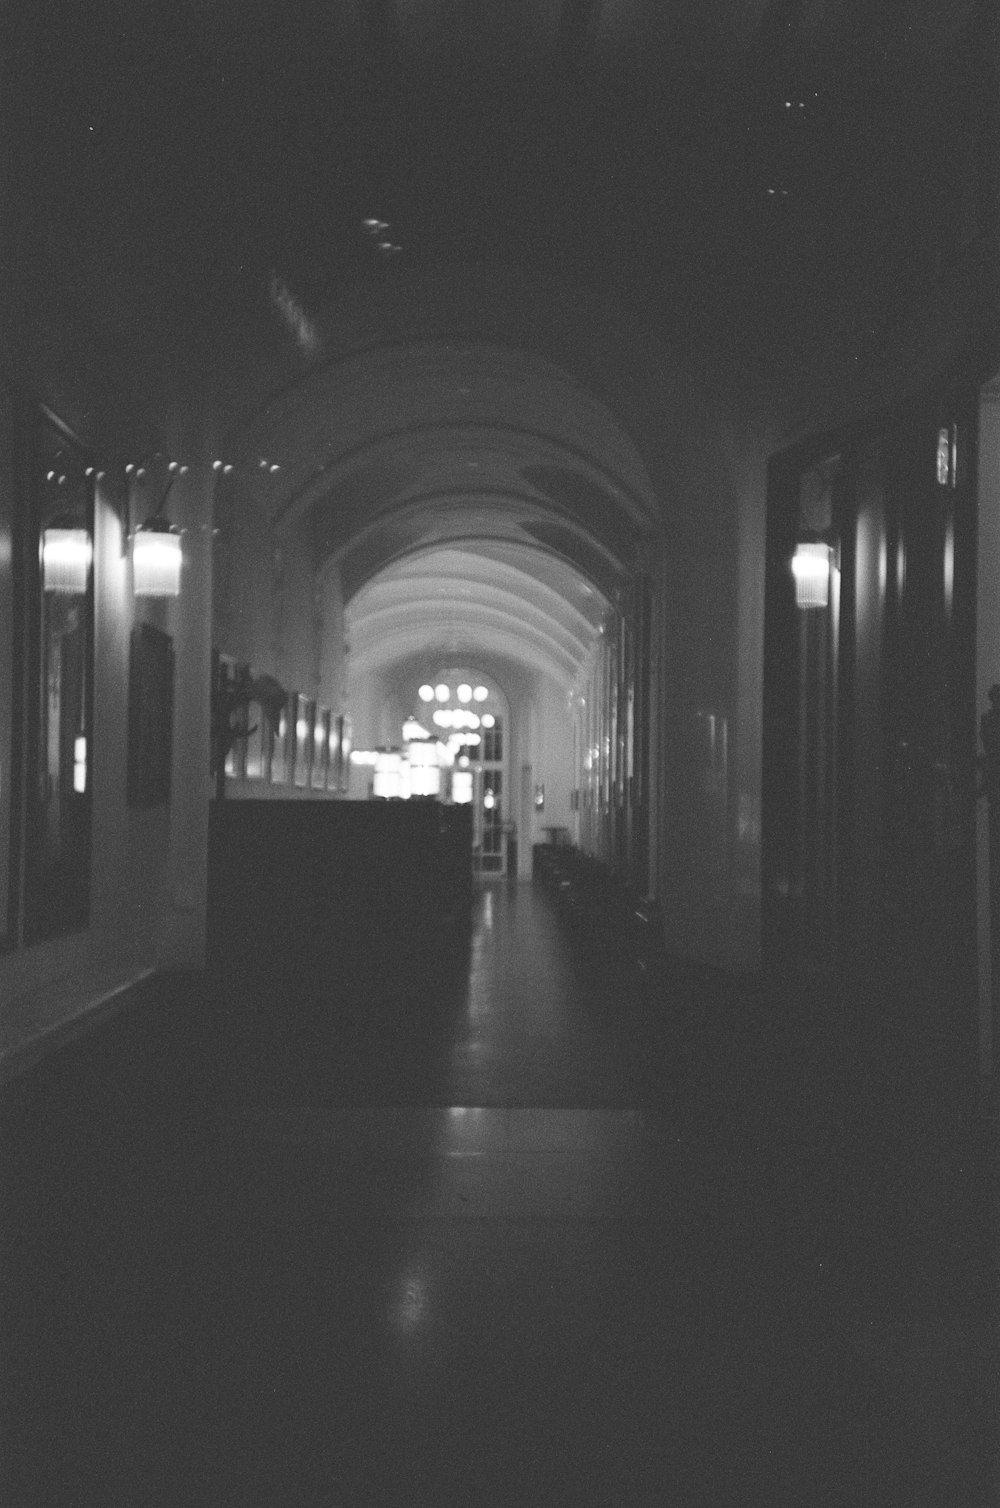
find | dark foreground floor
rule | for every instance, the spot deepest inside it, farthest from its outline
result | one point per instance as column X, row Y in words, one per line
column 475, row 1249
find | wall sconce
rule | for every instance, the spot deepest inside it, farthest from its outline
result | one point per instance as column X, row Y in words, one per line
column 66, row 557
column 811, row 569
column 156, row 553
column 413, row 729
column 539, row 798
column 156, row 559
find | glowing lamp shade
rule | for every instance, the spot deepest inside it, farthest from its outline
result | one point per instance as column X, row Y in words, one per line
column 423, row 754
column 66, row 557
column 388, row 779
column 461, row 787
column 442, row 692
column 811, row 569
column 480, row 693
column 156, row 560
column 425, row 779
column 413, row 729
column 465, row 692
column 426, row 693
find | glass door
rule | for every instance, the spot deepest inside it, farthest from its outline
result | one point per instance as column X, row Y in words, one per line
column 491, row 798
column 58, row 603
column 928, row 690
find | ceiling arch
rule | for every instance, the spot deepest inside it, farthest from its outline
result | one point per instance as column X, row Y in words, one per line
column 476, row 597
column 412, row 443
column 471, row 517
column 435, row 426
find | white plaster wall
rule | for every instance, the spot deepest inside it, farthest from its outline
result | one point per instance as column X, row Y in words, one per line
column 551, row 756
column 703, row 669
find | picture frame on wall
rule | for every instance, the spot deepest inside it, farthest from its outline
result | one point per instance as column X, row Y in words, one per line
column 256, row 741
column 281, row 745
column 236, row 755
column 333, row 754
column 150, row 716
column 346, row 743
column 321, row 748
column 305, row 719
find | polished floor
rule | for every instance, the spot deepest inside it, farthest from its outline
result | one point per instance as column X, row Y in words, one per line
column 467, row 1248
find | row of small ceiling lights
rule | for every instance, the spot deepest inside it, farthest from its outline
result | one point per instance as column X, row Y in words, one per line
column 446, row 717
column 442, row 693
column 781, row 191
column 138, row 472
column 227, row 468
column 378, row 231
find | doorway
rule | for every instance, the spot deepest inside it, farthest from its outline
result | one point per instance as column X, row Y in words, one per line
column 869, row 698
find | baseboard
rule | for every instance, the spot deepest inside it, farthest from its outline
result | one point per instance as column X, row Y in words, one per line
column 27, row 1055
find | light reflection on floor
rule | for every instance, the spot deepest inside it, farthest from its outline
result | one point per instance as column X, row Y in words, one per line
column 502, row 1278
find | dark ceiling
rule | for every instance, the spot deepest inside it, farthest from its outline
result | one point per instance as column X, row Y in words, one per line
column 607, row 140
column 166, row 160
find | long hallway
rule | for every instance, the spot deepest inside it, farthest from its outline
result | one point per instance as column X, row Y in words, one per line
column 475, row 1268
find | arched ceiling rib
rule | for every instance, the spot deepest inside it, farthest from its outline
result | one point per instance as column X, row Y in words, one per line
column 389, row 463
column 408, row 387
column 397, row 532
column 485, row 596
column 463, row 628
column 393, row 447
column 410, row 444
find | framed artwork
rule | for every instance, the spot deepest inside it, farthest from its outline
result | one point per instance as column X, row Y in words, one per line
column 321, row 748
column 255, row 742
column 305, row 720
column 236, row 754
column 281, row 745
column 333, row 754
column 150, row 716
column 345, row 752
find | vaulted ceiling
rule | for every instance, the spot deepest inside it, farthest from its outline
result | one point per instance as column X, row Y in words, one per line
column 608, row 139
column 169, row 160
column 415, row 442
column 488, row 598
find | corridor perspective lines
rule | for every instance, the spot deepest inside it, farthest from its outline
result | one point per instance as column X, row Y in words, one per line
column 503, row 1273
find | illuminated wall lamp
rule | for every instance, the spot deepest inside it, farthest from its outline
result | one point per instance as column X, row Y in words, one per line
column 811, row 569
column 156, row 559
column 66, row 557
column 413, row 729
